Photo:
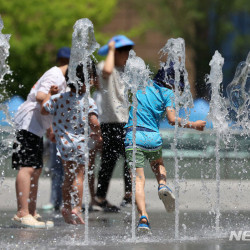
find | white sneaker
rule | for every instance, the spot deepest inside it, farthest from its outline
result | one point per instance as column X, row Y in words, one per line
column 167, row 197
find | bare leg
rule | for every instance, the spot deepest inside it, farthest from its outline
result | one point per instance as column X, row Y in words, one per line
column 73, row 185
column 33, row 191
column 140, row 193
column 78, row 187
column 165, row 194
column 91, row 175
column 159, row 171
column 23, row 183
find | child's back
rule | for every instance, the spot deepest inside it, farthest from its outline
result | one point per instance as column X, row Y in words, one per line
column 151, row 106
column 69, row 122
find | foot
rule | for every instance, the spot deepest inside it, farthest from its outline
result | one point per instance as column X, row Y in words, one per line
column 68, row 217
column 48, row 207
column 48, row 223
column 167, row 197
column 105, row 206
column 143, row 225
column 28, row 221
column 126, row 202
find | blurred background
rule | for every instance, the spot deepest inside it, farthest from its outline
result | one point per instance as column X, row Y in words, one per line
column 39, row 28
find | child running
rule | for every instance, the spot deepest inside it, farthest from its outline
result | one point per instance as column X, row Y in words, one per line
column 68, row 126
column 152, row 104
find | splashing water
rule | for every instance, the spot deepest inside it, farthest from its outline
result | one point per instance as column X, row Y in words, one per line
column 175, row 50
column 4, row 53
column 238, row 92
column 83, row 46
column 217, row 114
column 218, row 109
column 4, row 69
column 136, row 76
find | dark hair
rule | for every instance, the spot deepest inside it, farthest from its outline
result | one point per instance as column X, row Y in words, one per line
column 165, row 77
column 125, row 48
column 91, row 67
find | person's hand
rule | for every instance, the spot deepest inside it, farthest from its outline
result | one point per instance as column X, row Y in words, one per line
column 52, row 137
column 199, row 125
column 96, row 136
column 53, row 90
column 111, row 45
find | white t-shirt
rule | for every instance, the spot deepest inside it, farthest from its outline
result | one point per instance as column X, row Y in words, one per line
column 114, row 108
column 29, row 115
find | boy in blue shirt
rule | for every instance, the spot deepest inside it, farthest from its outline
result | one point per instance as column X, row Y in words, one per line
column 152, row 104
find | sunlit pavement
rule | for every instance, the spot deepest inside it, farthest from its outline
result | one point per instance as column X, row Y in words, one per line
column 113, row 231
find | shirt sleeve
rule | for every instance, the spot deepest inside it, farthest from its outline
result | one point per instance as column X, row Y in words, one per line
column 92, row 107
column 169, row 99
column 51, row 105
column 48, row 79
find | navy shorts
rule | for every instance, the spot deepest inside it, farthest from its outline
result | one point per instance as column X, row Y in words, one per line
column 27, row 150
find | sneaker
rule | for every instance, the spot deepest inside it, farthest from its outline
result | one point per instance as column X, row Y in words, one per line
column 105, row 206
column 126, row 202
column 48, row 223
column 90, row 208
column 167, row 197
column 28, row 221
column 48, row 207
column 142, row 226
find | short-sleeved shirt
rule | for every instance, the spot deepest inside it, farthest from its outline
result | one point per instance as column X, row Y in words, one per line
column 152, row 105
column 111, row 96
column 69, row 122
column 29, row 115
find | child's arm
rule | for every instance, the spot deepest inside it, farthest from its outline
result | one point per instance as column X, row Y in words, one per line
column 95, row 127
column 53, row 90
column 50, row 134
column 109, row 63
column 198, row 125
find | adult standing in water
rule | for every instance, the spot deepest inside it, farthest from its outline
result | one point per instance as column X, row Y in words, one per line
column 113, row 118
column 27, row 157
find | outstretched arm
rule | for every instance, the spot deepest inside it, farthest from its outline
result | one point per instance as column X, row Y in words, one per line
column 197, row 125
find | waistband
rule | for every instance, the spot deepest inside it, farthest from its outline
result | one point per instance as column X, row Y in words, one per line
column 129, row 129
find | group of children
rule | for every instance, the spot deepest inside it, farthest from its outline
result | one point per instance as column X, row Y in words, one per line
column 67, row 110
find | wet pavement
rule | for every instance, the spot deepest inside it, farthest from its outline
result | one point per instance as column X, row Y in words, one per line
column 113, row 231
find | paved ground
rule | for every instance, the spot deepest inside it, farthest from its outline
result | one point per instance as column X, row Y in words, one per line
column 113, row 231
column 194, row 195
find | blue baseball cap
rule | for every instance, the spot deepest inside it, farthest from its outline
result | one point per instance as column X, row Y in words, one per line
column 63, row 52
column 120, row 41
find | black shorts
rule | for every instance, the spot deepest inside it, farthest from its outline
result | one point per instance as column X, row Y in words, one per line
column 27, row 150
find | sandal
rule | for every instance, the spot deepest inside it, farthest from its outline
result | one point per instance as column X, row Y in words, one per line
column 167, row 197
column 143, row 227
column 48, row 223
column 28, row 221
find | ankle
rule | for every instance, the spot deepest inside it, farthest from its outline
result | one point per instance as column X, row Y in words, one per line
column 22, row 213
column 99, row 199
column 144, row 220
column 162, row 184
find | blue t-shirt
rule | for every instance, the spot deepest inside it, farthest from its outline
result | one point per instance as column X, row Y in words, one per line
column 152, row 105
